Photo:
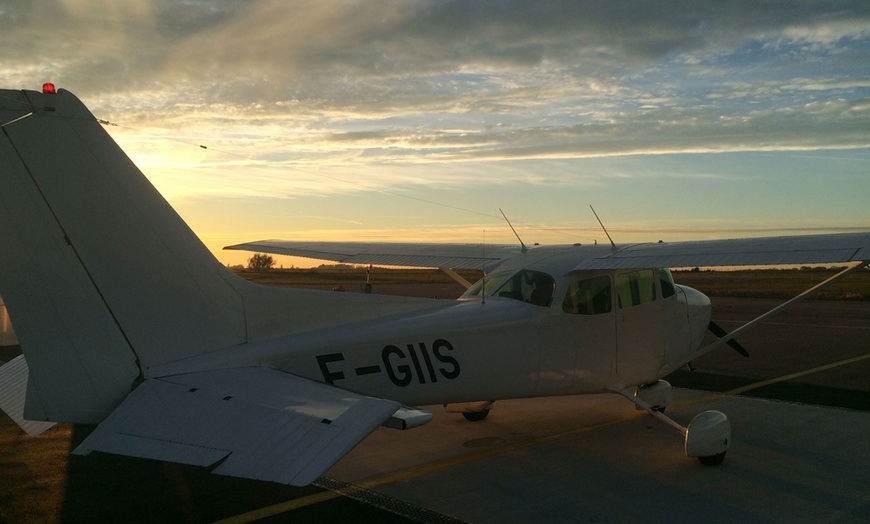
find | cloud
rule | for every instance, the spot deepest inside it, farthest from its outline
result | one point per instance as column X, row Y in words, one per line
column 345, row 84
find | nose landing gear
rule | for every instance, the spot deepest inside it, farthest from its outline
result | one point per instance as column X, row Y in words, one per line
column 707, row 437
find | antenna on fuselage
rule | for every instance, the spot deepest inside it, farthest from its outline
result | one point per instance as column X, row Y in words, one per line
column 612, row 245
column 524, row 248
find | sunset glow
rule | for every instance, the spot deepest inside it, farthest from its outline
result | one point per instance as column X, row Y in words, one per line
column 418, row 120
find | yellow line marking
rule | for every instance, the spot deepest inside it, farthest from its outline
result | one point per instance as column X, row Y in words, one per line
column 434, row 467
column 756, row 385
column 509, row 447
column 281, row 507
column 426, row 469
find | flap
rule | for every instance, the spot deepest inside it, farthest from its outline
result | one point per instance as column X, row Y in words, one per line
column 259, row 423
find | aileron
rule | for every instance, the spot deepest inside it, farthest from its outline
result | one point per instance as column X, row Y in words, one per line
column 807, row 249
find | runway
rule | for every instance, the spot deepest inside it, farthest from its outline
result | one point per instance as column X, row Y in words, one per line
column 564, row 459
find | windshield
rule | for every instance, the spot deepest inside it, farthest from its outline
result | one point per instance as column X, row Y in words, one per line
column 490, row 281
column 527, row 285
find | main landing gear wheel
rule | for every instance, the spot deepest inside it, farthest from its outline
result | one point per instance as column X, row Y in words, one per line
column 476, row 416
column 472, row 411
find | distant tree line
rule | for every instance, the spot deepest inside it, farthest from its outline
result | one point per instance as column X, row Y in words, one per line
column 261, row 262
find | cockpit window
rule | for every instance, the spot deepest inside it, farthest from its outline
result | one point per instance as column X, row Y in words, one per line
column 635, row 288
column 590, row 296
column 487, row 284
column 527, row 285
column 667, row 282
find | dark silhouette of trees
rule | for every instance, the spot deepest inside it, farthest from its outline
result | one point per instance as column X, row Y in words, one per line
column 261, row 262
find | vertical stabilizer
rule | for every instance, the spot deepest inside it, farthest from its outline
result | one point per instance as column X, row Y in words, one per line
column 101, row 277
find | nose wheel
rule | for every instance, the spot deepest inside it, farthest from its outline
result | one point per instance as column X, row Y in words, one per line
column 713, row 460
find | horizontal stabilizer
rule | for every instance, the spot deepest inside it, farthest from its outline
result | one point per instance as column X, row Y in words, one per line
column 256, row 423
column 13, row 391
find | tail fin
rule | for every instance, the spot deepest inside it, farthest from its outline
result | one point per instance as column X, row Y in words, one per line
column 105, row 283
column 101, row 277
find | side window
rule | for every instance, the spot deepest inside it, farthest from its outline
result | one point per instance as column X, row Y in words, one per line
column 590, row 296
column 635, row 288
column 529, row 286
column 667, row 282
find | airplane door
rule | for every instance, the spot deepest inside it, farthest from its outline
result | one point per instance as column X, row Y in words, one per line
column 640, row 322
column 591, row 332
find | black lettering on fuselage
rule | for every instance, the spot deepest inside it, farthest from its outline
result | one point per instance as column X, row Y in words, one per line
column 323, row 361
column 416, row 362
column 428, row 360
column 437, row 346
column 402, row 367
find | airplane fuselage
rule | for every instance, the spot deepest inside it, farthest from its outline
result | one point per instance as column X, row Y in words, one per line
column 497, row 346
column 504, row 348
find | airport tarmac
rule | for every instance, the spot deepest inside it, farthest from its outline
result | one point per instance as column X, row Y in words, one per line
column 585, row 459
column 567, row 459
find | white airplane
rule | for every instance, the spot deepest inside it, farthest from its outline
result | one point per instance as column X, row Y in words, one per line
column 127, row 321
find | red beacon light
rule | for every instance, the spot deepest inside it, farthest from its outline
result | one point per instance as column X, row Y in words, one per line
column 48, row 89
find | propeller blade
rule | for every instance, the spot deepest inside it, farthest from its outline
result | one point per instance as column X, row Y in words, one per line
column 733, row 344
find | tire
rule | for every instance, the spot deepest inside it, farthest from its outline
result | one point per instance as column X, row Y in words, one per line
column 476, row 416
column 712, row 460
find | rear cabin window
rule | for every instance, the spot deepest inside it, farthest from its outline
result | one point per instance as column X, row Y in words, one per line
column 636, row 288
column 590, row 296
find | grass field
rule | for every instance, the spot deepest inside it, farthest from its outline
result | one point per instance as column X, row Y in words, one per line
column 775, row 283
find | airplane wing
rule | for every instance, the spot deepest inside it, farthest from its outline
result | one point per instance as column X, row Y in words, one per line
column 789, row 250
column 256, row 423
column 805, row 249
column 409, row 254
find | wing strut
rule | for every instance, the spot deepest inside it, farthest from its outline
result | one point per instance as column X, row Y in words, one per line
column 456, row 276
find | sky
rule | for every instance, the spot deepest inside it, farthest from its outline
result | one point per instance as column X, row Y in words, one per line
column 418, row 120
